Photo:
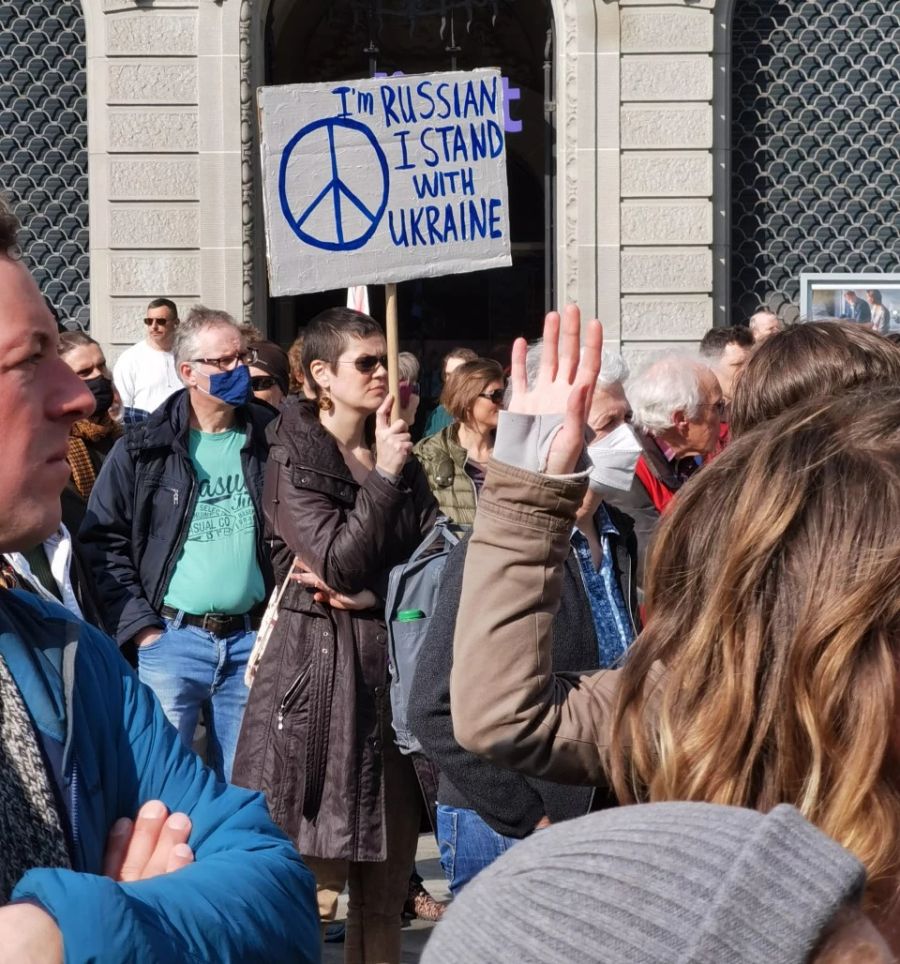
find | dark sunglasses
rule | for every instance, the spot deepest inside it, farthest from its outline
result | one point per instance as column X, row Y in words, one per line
column 158, row 321
column 367, row 363
column 496, row 396
column 259, row 383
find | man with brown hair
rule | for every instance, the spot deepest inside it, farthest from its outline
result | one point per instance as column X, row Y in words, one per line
column 83, row 745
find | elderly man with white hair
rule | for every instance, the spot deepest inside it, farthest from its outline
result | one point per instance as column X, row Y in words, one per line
column 677, row 406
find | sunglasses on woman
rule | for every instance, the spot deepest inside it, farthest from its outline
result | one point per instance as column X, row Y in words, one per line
column 496, row 396
column 259, row 383
column 367, row 363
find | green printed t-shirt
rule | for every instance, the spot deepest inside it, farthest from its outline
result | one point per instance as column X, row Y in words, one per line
column 217, row 571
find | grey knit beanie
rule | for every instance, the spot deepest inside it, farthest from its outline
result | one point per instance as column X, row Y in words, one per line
column 662, row 883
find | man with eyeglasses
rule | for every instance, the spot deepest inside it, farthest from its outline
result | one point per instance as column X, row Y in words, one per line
column 174, row 528
column 145, row 373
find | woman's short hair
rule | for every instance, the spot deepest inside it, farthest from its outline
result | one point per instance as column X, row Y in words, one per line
column 70, row 340
column 466, row 383
column 328, row 334
column 408, row 367
column 773, row 609
column 803, row 361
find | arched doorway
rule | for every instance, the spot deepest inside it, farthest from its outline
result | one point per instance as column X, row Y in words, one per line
column 815, row 166
column 330, row 40
column 43, row 146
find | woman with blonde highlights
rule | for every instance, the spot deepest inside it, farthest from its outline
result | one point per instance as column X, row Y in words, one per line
column 774, row 594
column 767, row 671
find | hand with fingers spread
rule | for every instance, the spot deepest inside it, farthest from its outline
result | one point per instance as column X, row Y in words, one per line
column 153, row 844
column 564, row 385
column 393, row 443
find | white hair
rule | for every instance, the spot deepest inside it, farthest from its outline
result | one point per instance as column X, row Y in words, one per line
column 408, row 367
column 613, row 367
column 663, row 385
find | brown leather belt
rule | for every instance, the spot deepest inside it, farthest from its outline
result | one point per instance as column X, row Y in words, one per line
column 219, row 624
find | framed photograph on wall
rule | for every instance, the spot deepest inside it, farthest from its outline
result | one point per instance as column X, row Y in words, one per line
column 868, row 299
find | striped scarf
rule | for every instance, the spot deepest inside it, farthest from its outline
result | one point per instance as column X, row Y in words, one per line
column 31, row 833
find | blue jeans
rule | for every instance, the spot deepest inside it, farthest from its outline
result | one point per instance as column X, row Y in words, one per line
column 467, row 845
column 189, row 668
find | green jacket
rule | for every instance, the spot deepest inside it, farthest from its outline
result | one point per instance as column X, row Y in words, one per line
column 444, row 462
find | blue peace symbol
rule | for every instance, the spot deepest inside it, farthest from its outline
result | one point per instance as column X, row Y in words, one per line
column 335, row 188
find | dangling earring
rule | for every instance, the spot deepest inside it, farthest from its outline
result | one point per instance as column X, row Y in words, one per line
column 325, row 402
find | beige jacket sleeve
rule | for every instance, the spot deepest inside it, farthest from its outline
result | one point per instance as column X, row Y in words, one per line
column 507, row 704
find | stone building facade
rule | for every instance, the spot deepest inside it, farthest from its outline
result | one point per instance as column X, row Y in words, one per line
column 650, row 231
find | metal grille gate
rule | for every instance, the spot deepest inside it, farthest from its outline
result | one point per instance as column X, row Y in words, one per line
column 815, row 145
column 43, row 145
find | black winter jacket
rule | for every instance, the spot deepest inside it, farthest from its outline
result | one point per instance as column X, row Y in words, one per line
column 141, row 507
column 511, row 804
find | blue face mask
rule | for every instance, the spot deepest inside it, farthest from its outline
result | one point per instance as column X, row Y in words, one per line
column 232, row 387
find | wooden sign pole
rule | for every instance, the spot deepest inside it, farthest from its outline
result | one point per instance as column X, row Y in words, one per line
column 393, row 346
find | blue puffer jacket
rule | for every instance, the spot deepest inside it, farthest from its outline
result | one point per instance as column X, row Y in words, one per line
column 247, row 897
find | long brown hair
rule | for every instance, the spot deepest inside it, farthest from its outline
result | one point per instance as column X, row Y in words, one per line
column 773, row 599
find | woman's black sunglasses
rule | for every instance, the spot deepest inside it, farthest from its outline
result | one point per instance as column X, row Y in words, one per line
column 367, row 363
column 259, row 383
column 496, row 396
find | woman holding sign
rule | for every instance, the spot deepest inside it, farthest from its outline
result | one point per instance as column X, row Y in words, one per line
column 317, row 734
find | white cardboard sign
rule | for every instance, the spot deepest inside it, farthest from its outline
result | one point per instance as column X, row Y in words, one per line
column 374, row 181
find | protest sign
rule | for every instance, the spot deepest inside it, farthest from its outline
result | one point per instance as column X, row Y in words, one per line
column 385, row 180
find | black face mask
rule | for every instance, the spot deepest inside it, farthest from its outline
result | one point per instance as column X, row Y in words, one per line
column 102, row 390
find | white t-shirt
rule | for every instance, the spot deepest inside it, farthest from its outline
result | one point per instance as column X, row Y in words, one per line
column 145, row 377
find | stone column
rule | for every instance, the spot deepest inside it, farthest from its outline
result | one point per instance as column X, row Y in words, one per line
column 666, row 118
column 164, row 160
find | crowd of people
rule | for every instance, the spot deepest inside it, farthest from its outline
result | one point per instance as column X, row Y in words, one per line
column 655, row 681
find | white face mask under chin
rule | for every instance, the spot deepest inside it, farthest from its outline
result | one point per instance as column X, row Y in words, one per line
column 614, row 459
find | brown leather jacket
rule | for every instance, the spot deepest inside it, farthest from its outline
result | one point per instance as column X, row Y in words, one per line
column 319, row 710
column 508, row 704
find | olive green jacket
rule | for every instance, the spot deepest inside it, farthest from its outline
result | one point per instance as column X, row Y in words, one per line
column 444, row 462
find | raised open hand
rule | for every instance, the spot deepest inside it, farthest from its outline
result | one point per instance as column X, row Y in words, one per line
column 564, row 385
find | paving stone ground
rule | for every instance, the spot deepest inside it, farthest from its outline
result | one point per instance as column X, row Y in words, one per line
column 417, row 932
